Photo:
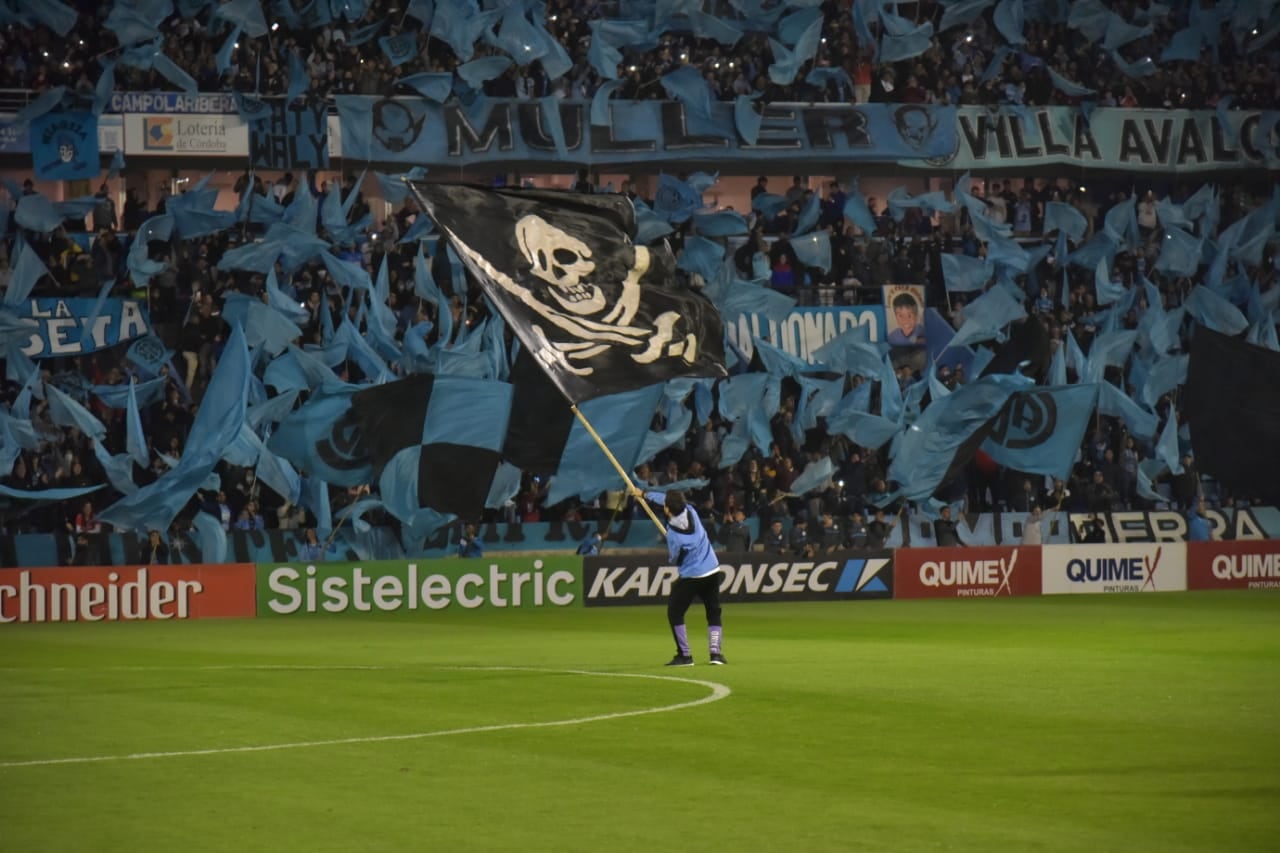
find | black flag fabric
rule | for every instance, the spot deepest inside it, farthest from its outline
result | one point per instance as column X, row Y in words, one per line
column 1233, row 407
column 600, row 314
column 434, row 442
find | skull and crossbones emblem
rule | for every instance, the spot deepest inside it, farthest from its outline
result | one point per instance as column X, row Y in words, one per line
column 583, row 316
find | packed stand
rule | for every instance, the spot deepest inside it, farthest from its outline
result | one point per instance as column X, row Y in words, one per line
column 969, row 63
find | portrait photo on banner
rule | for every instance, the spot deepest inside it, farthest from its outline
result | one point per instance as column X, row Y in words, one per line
column 905, row 326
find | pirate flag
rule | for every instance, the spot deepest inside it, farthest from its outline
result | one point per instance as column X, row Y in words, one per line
column 601, row 314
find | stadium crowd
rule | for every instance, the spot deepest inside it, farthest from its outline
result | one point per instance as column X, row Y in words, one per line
column 964, row 64
column 187, row 298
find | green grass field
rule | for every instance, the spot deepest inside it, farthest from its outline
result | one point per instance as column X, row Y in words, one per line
column 1091, row 723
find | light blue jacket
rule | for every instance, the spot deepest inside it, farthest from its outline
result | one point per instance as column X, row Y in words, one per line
column 687, row 541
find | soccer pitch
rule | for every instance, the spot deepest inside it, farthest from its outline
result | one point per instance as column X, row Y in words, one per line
column 1089, row 723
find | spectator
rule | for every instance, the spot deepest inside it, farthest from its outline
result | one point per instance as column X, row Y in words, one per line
column 944, row 531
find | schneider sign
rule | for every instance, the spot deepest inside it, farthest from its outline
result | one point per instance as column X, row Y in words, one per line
column 646, row 579
column 396, row 585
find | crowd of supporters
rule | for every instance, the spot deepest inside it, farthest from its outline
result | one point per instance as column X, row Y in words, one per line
column 964, row 64
column 186, row 301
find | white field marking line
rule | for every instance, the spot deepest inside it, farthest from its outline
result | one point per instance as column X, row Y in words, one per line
column 718, row 692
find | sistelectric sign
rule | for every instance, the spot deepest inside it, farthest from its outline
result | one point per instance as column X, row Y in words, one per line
column 966, row 572
column 118, row 593
column 647, row 579
column 1153, row 567
column 394, row 585
column 1233, row 565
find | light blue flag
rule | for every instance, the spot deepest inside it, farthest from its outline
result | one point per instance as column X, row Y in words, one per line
column 434, row 86
column 1263, row 333
column 1167, row 374
column 194, row 216
column 315, row 498
column 216, row 426
column 1120, row 32
column 505, row 485
column 792, row 27
column 362, row 353
column 1121, row 223
column 813, row 250
column 222, row 60
column 346, row 273
column 1058, row 366
column 600, row 112
column 863, row 428
column 712, row 27
column 777, row 361
column 768, row 205
column 853, row 352
column 1010, row 19
column 818, row 398
column 1211, row 310
column 622, row 421
column 963, row 274
column 745, row 297
column 299, row 79
column 822, row 75
column 1165, row 331
column 1109, row 349
column 675, row 201
column 1167, row 446
column 603, row 56
column 1180, row 252
column 271, row 411
column 37, row 213
column 245, row 14
column 814, row 476
column 1065, row 218
column 928, row 448
column 141, row 267
column 701, row 256
column 321, row 439
column 1107, row 291
column 962, row 12
column 857, row 212
column 721, row 223
column 1143, row 67
column 891, row 403
column 264, row 326
column 787, row 62
column 809, row 214
column 211, row 537
column 905, row 45
column 135, row 439
column 1150, row 470
column 1114, row 402
column 686, row 85
column 1040, row 430
column 119, row 468
column 44, row 103
column 66, row 412
column 28, row 269
column 477, row 72
column 47, row 495
column 986, row 317
column 1183, row 46
column 1068, row 87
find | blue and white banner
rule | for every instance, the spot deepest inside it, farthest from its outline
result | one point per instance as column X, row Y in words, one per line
column 64, row 146
column 68, row 327
column 172, row 102
column 1040, row 430
column 805, row 329
column 1160, row 141
column 413, row 130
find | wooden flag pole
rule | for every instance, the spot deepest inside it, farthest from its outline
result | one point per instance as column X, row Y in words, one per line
column 617, row 465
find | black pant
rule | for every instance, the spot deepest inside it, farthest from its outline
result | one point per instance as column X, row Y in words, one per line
column 685, row 590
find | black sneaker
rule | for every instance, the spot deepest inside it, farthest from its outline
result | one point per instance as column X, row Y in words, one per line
column 681, row 660
column 717, row 659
